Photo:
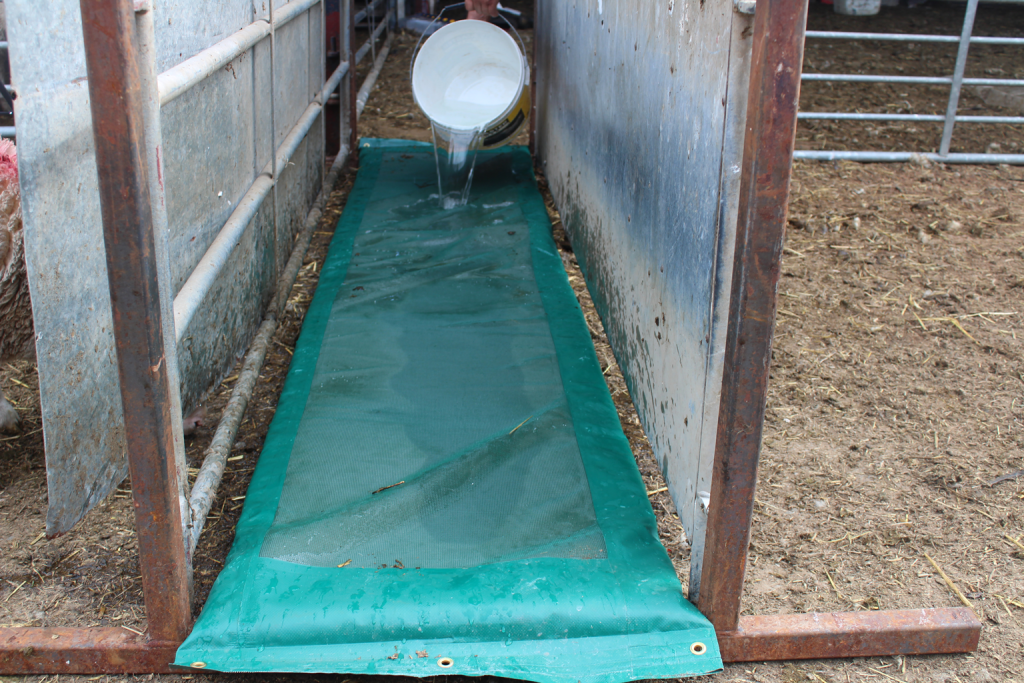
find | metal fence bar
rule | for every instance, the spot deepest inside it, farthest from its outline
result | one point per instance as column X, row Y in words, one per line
column 953, row 158
column 7, row 131
column 913, row 38
column 373, row 35
column 146, row 41
column 332, row 83
column 361, row 52
column 958, row 76
column 274, row 166
column 180, row 78
column 861, row 78
column 914, row 80
column 930, row 118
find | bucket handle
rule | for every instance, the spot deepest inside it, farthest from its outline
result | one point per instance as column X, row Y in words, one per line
column 412, row 62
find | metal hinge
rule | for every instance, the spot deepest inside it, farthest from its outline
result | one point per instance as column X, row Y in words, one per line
column 744, row 6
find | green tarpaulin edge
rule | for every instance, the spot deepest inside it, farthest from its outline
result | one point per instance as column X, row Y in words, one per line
column 222, row 639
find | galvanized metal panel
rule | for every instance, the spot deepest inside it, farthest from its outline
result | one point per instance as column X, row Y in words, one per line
column 216, row 139
column 636, row 135
column 78, row 381
column 208, row 160
column 186, row 27
column 81, row 406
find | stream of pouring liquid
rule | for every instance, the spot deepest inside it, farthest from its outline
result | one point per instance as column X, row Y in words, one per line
column 455, row 163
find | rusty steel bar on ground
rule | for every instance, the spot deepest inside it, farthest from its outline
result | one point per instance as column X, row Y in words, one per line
column 851, row 634
column 115, row 96
column 82, row 651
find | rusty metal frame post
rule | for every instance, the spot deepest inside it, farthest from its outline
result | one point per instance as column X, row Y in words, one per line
column 115, row 95
column 776, row 62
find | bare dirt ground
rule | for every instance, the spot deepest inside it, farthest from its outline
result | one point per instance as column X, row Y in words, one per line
column 895, row 403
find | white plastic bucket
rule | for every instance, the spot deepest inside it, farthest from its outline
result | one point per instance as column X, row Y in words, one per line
column 472, row 76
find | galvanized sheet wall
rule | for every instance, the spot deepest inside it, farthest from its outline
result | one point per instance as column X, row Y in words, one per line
column 640, row 109
column 216, row 140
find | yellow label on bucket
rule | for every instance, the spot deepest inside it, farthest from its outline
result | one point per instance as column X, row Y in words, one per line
column 509, row 127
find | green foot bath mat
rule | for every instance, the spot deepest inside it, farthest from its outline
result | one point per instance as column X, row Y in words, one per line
column 445, row 488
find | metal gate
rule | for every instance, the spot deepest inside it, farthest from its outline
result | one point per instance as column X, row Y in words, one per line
column 956, row 81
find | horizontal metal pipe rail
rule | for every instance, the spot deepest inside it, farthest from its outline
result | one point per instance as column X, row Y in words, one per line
column 927, row 118
column 955, row 83
column 902, row 157
column 333, row 81
column 177, row 80
column 913, row 38
column 365, row 47
column 195, row 289
column 7, row 131
column 912, row 80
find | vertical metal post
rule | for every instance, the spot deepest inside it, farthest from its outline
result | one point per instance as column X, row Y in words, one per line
column 146, row 36
column 274, row 170
column 958, row 76
column 776, row 59
column 353, row 86
column 533, row 87
column 323, row 78
column 371, row 10
column 118, row 128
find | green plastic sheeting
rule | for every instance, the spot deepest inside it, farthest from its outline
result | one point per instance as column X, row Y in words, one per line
column 445, row 488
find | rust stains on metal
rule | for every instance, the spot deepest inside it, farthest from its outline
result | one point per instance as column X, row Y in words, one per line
column 117, row 118
column 82, row 651
column 764, row 193
column 851, row 634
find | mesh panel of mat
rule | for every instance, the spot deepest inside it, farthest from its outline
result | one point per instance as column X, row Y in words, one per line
column 445, row 479
column 461, row 356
